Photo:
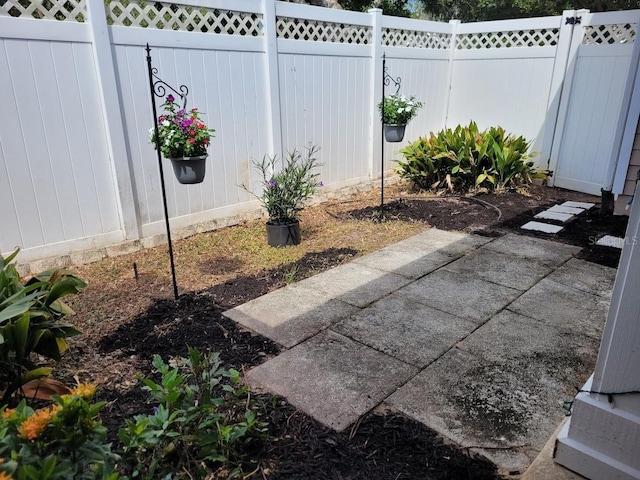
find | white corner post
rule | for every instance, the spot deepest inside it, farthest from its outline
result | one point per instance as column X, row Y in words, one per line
column 602, row 438
column 560, row 64
column 272, row 77
column 375, row 133
column 112, row 111
column 454, row 24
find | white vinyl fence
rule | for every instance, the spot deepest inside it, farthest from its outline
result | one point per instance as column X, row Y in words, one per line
column 77, row 170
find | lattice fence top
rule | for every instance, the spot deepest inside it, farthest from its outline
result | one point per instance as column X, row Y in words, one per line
column 409, row 38
column 610, row 34
column 171, row 16
column 319, row 31
column 522, row 38
column 70, row 10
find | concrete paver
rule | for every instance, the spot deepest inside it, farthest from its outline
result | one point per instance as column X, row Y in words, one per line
column 586, row 276
column 564, row 306
column 332, row 378
column 306, row 313
column 410, row 263
column 611, row 241
column 543, row 250
column 461, row 294
column 583, row 205
column 443, row 241
column 354, row 283
column 566, row 209
column 501, row 268
column 557, row 216
column 406, row 330
column 542, row 227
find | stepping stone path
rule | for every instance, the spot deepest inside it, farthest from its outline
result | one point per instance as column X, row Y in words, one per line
column 558, row 213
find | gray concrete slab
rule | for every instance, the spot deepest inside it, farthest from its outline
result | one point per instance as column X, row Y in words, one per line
column 332, row 378
column 611, row 241
column 460, row 294
column 542, row 227
column 410, row 263
column 354, row 283
column 500, row 409
column 583, row 205
column 566, row 307
column 560, row 217
column 560, row 358
column 546, row 251
column 452, row 243
column 306, row 313
column 565, row 209
column 504, row 269
column 587, row 276
column 406, row 330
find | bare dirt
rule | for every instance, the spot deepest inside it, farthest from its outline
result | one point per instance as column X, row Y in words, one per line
column 128, row 316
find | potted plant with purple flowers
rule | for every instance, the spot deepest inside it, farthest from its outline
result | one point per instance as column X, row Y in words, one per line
column 285, row 193
column 183, row 138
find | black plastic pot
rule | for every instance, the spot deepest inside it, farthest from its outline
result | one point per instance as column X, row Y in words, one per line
column 283, row 234
column 189, row 170
column 394, row 133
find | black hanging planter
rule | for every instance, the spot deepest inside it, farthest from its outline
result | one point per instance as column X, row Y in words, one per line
column 283, row 234
column 394, row 133
column 189, row 170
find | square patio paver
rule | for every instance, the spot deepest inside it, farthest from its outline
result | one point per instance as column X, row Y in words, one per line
column 332, row 378
column 435, row 240
column 464, row 295
column 586, row 276
column 290, row 315
column 552, row 253
column 407, row 262
column 504, row 269
column 406, row 330
column 563, row 306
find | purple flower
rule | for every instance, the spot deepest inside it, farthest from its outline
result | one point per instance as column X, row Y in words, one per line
column 170, row 98
column 186, row 123
column 272, row 183
column 155, row 410
column 321, row 184
column 180, row 112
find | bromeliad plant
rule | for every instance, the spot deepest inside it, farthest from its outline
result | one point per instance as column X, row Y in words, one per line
column 181, row 133
column 465, row 157
column 32, row 322
column 398, row 109
column 285, row 192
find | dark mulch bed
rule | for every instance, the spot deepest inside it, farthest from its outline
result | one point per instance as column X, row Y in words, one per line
column 382, row 445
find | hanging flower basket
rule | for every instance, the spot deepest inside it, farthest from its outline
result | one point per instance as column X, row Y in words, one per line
column 189, row 170
column 394, row 133
column 182, row 138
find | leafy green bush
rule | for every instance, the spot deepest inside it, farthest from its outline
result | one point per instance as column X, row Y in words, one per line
column 31, row 315
column 464, row 157
column 202, row 420
column 62, row 441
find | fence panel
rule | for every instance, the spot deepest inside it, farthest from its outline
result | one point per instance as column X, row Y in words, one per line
column 594, row 93
column 55, row 172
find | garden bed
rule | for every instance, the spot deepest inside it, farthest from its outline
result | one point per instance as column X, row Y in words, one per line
column 128, row 314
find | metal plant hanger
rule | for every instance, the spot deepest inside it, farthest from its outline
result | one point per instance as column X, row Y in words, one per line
column 158, row 88
column 387, row 80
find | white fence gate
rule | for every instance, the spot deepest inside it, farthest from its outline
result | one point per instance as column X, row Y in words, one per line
column 591, row 101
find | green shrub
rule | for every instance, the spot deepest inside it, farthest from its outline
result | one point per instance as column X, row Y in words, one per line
column 464, row 157
column 201, row 423
column 31, row 322
column 61, row 441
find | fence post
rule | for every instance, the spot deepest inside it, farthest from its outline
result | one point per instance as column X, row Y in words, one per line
column 272, row 79
column 452, row 51
column 375, row 94
column 569, row 42
column 113, row 115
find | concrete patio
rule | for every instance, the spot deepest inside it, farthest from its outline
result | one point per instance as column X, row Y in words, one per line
column 480, row 339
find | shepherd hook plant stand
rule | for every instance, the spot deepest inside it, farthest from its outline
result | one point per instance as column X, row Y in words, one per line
column 158, row 88
column 386, row 80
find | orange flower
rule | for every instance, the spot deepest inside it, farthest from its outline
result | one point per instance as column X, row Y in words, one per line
column 8, row 413
column 33, row 426
column 85, row 390
column 5, row 476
